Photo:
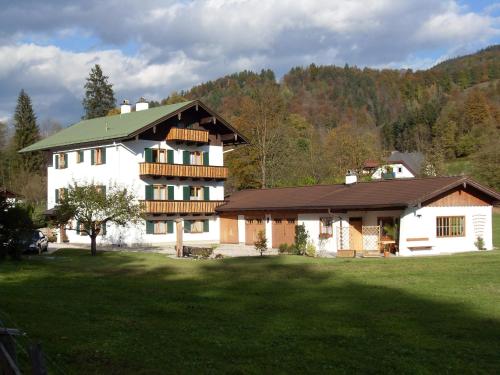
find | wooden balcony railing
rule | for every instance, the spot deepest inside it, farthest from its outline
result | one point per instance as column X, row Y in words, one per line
column 180, row 170
column 173, row 207
column 187, row 135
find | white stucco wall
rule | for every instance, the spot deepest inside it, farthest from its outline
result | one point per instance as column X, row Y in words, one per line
column 421, row 223
column 122, row 167
column 400, row 171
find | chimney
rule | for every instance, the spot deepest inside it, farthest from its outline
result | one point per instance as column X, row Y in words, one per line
column 351, row 178
column 141, row 105
column 125, row 107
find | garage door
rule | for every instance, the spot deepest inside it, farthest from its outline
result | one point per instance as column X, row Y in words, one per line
column 284, row 231
column 252, row 228
column 229, row 229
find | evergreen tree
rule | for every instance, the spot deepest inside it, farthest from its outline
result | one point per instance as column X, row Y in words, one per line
column 26, row 133
column 99, row 96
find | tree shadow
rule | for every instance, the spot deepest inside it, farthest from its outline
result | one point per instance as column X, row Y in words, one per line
column 123, row 313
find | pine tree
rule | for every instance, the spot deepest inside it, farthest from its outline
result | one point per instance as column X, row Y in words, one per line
column 26, row 133
column 99, row 96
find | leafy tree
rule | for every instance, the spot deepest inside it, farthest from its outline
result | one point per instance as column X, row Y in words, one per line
column 261, row 243
column 93, row 208
column 26, row 133
column 99, row 96
column 486, row 164
column 433, row 164
column 15, row 225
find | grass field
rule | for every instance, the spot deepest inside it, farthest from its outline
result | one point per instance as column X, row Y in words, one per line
column 130, row 313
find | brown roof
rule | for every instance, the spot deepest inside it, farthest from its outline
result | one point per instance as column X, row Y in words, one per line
column 397, row 193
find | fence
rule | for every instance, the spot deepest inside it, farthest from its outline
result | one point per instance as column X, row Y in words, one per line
column 370, row 237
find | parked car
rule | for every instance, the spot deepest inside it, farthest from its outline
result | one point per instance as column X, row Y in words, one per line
column 35, row 242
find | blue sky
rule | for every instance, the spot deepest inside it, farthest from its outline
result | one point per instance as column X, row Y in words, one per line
column 151, row 48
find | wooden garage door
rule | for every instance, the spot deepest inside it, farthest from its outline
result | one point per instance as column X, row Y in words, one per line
column 229, row 229
column 252, row 228
column 284, row 231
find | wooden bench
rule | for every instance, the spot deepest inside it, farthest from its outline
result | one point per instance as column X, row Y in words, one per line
column 419, row 246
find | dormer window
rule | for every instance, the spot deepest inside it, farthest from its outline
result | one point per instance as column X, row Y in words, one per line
column 61, row 160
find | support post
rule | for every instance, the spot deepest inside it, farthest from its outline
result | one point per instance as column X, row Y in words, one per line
column 37, row 360
column 179, row 228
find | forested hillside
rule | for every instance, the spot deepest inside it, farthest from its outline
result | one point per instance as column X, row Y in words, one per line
column 318, row 121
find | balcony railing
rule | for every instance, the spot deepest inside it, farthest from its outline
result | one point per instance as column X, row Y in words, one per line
column 185, row 171
column 187, row 135
column 174, row 207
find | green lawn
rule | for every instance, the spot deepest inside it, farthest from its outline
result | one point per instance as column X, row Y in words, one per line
column 129, row 313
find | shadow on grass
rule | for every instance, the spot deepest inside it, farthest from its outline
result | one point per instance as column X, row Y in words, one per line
column 126, row 313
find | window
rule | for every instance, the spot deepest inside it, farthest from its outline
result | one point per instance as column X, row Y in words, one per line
column 101, row 189
column 325, row 227
column 79, row 156
column 80, row 229
column 196, row 158
column 196, row 226
column 450, row 226
column 61, row 160
column 98, row 156
column 400, row 169
column 60, row 194
column 159, row 156
column 160, row 192
column 195, row 193
column 159, row 226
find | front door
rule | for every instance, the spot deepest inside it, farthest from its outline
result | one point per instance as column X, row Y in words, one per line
column 252, row 228
column 229, row 229
column 283, row 231
column 356, row 233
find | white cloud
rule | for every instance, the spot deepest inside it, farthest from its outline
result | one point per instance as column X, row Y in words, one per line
column 181, row 43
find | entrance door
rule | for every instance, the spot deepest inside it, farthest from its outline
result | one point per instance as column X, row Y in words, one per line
column 229, row 229
column 356, row 233
column 252, row 228
column 283, row 231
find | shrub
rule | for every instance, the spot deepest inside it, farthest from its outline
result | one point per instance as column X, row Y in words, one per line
column 480, row 243
column 261, row 243
column 219, row 256
column 301, row 238
column 310, row 250
column 283, row 248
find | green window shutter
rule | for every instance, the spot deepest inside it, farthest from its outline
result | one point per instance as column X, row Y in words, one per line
column 56, row 161
column 92, row 156
column 206, row 226
column 103, row 156
column 149, row 195
column 186, row 193
column 81, row 154
column 103, row 229
column 170, row 156
column 186, row 157
column 206, row 193
column 170, row 196
column 103, row 189
column 57, row 195
column 65, row 160
column 206, row 159
column 150, row 227
column 170, row 226
column 78, row 227
column 187, row 226
column 65, row 192
column 148, row 155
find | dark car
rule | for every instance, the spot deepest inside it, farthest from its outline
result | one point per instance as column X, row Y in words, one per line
column 35, row 242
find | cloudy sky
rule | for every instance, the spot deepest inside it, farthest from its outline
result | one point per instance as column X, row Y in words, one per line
column 152, row 47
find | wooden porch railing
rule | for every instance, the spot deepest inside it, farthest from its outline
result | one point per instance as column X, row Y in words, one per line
column 172, row 207
column 187, row 135
column 181, row 170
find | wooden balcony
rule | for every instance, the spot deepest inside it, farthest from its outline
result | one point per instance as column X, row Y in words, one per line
column 204, row 172
column 176, row 207
column 187, row 135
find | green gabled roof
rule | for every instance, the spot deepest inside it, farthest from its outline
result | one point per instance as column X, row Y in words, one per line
column 105, row 128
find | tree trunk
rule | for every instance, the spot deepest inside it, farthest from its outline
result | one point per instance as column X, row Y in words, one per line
column 93, row 245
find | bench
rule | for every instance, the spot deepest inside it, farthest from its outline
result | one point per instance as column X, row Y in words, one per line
column 420, row 243
column 346, row 253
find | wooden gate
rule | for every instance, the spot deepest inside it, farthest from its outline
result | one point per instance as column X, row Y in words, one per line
column 229, row 229
column 283, row 231
column 252, row 228
column 356, row 233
